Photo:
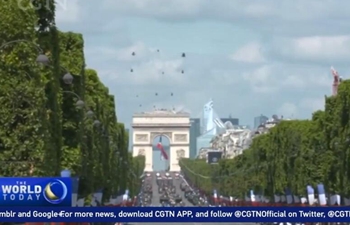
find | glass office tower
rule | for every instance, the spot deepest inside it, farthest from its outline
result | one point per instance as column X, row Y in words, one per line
column 195, row 131
column 260, row 120
column 234, row 121
column 211, row 125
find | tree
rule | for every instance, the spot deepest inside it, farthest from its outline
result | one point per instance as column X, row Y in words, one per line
column 23, row 120
column 135, row 172
column 42, row 131
column 292, row 155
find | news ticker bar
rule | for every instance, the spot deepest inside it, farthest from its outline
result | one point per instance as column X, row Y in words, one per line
column 178, row 214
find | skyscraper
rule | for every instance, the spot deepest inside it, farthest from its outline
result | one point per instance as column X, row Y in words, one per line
column 195, row 131
column 234, row 121
column 211, row 125
column 259, row 120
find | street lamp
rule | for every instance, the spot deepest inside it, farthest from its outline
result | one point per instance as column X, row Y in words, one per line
column 80, row 103
column 90, row 113
column 41, row 58
column 67, row 78
column 97, row 123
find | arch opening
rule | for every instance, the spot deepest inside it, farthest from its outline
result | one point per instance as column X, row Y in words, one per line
column 160, row 163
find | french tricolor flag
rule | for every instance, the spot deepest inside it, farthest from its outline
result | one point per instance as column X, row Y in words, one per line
column 310, row 194
column 161, row 148
column 321, row 195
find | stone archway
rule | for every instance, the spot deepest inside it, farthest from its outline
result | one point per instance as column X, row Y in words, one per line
column 180, row 153
column 175, row 126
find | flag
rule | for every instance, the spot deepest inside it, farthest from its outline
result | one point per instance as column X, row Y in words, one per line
column 311, row 195
column 289, row 196
column 75, row 185
column 161, row 148
column 321, row 195
column 97, row 198
column 81, row 202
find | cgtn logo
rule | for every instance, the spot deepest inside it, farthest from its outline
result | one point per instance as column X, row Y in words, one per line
column 35, row 192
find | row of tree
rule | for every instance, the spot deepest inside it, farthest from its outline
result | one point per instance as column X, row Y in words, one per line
column 41, row 129
column 292, row 155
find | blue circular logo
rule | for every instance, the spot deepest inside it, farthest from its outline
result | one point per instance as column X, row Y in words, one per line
column 55, row 192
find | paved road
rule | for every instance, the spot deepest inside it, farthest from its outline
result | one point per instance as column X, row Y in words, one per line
column 156, row 195
column 155, row 202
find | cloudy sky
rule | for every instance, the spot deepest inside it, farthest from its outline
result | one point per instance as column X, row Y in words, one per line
column 252, row 57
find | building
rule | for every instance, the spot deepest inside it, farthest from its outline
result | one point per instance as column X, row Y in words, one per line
column 213, row 156
column 234, row 141
column 234, row 121
column 260, row 120
column 211, row 125
column 195, row 132
column 270, row 123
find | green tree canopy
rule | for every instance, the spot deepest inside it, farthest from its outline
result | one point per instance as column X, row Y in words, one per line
column 42, row 130
column 292, row 155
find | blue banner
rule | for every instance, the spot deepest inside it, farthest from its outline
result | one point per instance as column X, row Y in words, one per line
column 21, row 191
column 178, row 214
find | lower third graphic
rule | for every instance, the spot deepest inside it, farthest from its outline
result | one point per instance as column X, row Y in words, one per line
column 55, row 192
column 36, row 192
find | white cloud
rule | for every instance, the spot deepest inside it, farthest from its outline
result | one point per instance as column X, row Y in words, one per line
column 149, row 73
column 158, row 71
column 68, row 11
column 279, row 77
column 289, row 10
column 308, row 104
column 315, row 48
column 156, row 7
column 99, row 50
column 296, row 17
column 258, row 10
column 292, row 69
column 306, row 79
column 294, row 81
column 250, row 53
column 260, row 78
column 146, row 67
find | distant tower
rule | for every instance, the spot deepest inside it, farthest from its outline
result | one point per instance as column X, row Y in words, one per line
column 260, row 120
column 208, row 117
column 211, row 125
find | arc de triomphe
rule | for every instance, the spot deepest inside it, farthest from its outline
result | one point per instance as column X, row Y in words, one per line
column 173, row 125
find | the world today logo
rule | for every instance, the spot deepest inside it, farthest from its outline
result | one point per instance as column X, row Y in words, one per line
column 22, row 191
